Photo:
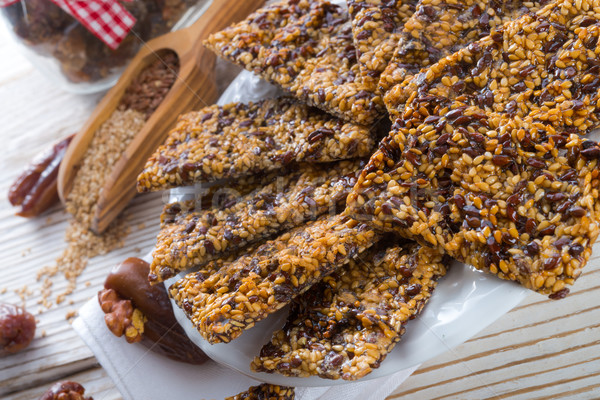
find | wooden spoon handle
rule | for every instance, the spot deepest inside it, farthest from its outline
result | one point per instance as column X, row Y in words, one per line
column 195, row 85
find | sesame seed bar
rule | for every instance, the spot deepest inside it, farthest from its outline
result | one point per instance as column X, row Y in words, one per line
column 344, row 326
column 438, row 29
column 266, row 391
column 514, row 197
column 376, row 28
column 237, row 140
column 543, row 63
column 190, row 237
column 262, row 282
column 487, row 158
column 306, row 47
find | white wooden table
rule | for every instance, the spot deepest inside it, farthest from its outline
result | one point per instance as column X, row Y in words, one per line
column 540, row 350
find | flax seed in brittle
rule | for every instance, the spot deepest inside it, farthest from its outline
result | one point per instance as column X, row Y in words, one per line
column 344, row 326
column 247, row 290
column 307, row 48
column 191, row 237
column 238, row 140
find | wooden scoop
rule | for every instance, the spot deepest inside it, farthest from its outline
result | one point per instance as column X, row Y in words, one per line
column 194, row 87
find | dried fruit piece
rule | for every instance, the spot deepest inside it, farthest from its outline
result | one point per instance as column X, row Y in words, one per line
column 265, row 391
column 345, row 325
column 245, row 291
column 17, row 328
column 35, row 190
column 143, row 313
column 306, row 47
column 65, row 390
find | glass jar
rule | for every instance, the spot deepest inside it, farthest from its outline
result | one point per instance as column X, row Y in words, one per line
column 73, row 57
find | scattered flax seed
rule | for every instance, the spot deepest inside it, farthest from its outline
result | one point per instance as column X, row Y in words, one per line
column 3, row 290
column 43, row 333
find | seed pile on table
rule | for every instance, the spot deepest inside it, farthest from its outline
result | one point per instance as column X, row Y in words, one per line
column 258, row 284
column 266, row 391
column 307, row 48
column 486, row 162
column 344, row 326
column 107, row 145
column 508, row 184
column 191, row 238
column 438, row 29
column 236, row 140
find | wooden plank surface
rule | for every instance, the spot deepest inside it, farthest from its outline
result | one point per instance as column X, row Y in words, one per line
column 541, row 349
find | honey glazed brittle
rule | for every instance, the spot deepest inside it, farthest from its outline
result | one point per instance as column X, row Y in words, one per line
column 438, row 29
column 237, row 140
column 344, row 326
column 255, row 285
column 306, row 47
column 376, row 28
column 190, row 237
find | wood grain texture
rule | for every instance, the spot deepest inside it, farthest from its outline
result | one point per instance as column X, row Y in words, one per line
column 542, row 349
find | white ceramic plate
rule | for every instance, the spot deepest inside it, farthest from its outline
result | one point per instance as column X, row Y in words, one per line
column 465, row 302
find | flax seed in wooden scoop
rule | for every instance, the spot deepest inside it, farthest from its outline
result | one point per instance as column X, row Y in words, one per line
column 194, row 86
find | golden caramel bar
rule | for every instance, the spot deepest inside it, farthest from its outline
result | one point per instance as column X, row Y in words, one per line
column 244, row 292
column 508, row 185
column 191, row 237
column 344, row 326
column 266, row 391
column 438, row 29
column 376, row 27
column 237, row 140
column 545, row 63
column 306, row 47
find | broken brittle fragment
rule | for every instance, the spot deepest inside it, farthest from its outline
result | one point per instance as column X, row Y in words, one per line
column 345, row 325
column 239, row 140
column 221, row 306
column 438, row 29
column 377, row 27
column 266, row 391
column 307, row 48
column 190, row 237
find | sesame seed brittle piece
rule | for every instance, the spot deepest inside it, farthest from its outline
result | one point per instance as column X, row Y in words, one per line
column 376, row 28
column 266, row 391
column 512, row 197
column 487, row 158
column 544, row 63
column 306, row 47
column 438, row 29
column 238, row 140
column 255, row 285
column 344, row 326
column 190, row 237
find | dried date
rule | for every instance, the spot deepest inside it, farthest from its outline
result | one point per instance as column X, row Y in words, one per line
column 35, row 190
column 65, row 390
column 17, row 328
column 128, row 286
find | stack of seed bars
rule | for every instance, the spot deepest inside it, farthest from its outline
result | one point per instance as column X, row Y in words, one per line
column 486, row 162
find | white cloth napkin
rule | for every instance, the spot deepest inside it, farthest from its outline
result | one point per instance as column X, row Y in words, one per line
column 140, row 374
